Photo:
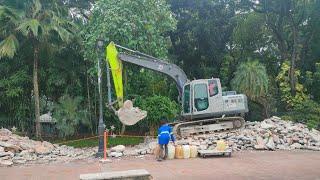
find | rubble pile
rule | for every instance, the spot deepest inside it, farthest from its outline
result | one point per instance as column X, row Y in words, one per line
column 270, row 134
column 17, row 150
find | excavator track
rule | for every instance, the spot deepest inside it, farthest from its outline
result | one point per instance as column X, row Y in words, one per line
column 184, row 129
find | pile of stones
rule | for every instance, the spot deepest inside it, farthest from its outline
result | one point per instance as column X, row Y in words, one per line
column 18, row 150
column 270, row 134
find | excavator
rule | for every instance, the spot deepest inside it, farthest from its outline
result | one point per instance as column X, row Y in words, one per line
column 205, row 107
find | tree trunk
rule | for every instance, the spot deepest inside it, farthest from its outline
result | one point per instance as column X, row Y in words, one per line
column 36, row 91
column 89, row 99
column 293, row 59
column 123, row 129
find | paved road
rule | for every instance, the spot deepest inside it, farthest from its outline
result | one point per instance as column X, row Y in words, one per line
column 242, row 165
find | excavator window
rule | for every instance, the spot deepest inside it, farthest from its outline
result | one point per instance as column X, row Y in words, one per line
column 213, row 87
column 186, row 99
column 201, row 97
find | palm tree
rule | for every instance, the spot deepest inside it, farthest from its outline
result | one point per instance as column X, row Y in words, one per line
column 251, row 79
column 37, row 23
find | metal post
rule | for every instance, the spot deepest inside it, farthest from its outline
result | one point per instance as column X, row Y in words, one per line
column 101, row 125
column 108, row 84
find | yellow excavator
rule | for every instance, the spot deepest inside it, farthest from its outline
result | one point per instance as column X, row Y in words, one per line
column 205, row 107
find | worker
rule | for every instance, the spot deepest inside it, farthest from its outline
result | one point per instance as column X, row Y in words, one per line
column 164, row 136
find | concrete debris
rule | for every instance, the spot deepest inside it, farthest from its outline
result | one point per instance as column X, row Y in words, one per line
column 17, row 150
column 118, row 148
column 270, row 134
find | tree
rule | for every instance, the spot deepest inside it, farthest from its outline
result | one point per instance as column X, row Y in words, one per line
column 70, row 115
column 251, row 79
column 140, row 25
column 291, row 23
column 284, row 85
column 203, row 32
column 37, row 23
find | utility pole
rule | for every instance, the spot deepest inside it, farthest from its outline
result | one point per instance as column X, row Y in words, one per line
column 101, row 125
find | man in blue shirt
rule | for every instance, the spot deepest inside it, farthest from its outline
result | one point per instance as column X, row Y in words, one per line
column 164, row 136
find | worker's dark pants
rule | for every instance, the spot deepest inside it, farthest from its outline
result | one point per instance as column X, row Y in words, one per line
column 163, row 151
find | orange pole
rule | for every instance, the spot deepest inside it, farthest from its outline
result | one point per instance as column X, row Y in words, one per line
column 105, row 145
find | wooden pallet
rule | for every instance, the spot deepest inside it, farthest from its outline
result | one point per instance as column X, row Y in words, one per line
column 207, row 153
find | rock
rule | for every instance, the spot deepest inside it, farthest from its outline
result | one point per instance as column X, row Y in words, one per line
column 143, row 152
column 259, row 147
column 203, row 143
column 10, row 147
column 5, row 144
column 270, row 145
column 152, row 145
column 276, row 139
column 9, row 153
column 19, row 160
column 282, row 147
column 289, row 141
column 115, row 154
column 295, row 139
column 264, row 125
column 296, row 146
column 5, row 132
column 48, row 145
column 5, row 163
column 4, row 138
column 118, row 148
column 312, row 148
column 315, row 137
column 41, row 149
column 1, row 149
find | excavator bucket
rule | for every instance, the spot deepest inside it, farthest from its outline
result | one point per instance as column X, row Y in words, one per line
column 127, row 114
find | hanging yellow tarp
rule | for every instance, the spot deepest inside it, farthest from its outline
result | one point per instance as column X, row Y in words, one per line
column 116, row 70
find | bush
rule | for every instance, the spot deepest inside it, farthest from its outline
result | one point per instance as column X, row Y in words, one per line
column 157, row 107
column 69, row 115
column 307, row 112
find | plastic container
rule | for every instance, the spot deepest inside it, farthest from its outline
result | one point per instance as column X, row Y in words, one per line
column 171, row 151
column 186, row 151
column 179, row 152
column 193, row 151
column 221, row 145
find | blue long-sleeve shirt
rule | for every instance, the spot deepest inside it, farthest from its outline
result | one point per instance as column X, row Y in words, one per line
column 165, row 134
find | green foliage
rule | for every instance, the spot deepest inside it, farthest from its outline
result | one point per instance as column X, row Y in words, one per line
column 69, row 115
column 284, row 86
column 307, row 112
column 250, row 31
column 251, row 78
column 157, row 107
column 140, row 25
column 312, row 81
column 203, row 34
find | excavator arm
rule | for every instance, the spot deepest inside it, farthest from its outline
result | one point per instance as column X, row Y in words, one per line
column 134, row 57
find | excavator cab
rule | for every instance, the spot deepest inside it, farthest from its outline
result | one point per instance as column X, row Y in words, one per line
column 204, row 98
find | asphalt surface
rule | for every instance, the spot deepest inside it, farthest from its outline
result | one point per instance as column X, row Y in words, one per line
column 241, row 165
